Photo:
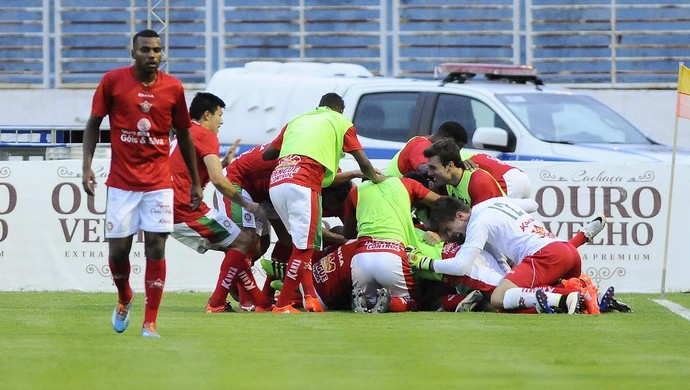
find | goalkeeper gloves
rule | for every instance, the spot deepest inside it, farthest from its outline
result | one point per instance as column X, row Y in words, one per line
column 419, row 261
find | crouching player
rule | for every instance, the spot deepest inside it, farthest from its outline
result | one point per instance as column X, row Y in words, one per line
column 379, row 216
column 205, row 228
column 542, row 260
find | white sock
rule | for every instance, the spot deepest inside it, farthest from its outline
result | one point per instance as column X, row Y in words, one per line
column 517, row 298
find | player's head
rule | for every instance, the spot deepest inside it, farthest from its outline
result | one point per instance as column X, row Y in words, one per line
column 147, row 51
column 443, row 156
column 452, row 130
column 333, row 101
column 333, row 197
column 449, row 217
column 207, row 110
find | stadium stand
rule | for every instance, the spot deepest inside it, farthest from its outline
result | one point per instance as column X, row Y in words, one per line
column 70, row 43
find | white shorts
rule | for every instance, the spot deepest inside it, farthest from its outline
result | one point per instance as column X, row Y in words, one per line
column 213, row 231
column 127, row 212
column 238, row 214
column 300, row 210
column 518, row 184
column 373, row 270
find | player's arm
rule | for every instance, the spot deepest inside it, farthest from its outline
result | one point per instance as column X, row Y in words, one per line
column 186, row 145
column 459, row 265
column 225, row 187
column 231, row 153
column 272, row 151
column 342, row 177
column 332, row 237
column 349, row 215
column 88, row 179
column 365, row 166
column 429, row 199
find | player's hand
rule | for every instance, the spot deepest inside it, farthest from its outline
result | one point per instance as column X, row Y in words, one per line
column 380, row 178
column 88, row 181
column 231, row 153
column 256, row 209
column 470, row 165
column 431, row 238
column 417, row 260
column 197, row 195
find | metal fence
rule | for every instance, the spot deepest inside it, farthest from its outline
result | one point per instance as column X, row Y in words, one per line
column 612, row 43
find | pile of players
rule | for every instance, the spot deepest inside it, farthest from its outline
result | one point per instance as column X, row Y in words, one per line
column 441, row 230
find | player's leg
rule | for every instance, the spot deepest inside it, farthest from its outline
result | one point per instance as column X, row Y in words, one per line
column 589, row 231
column 156, row 215
column 392, row 271
column 122, row 222
column 537, row 272
column 299, row 209
column 364, row 284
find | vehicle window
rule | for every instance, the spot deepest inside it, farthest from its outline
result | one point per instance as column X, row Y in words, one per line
column 470, row 113
column 571, row 118
column 386, row 116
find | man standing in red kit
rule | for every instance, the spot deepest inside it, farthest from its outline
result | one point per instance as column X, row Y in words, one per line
column 143, row 104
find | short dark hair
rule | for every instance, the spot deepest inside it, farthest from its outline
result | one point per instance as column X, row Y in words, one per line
column 333, row 101
column 144, row 34
column 452, row 130
column 444, row 210
column 447, row 150
column 418, row 177
column 338, row 191
column 202, row 102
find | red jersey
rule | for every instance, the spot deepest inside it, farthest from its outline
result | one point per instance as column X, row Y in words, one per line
column 205, row 143
column 415, row 189
column 303, row 170
column 140, row 120
column 494, row 166
column 482, row 186
column 333, row 278
column 252, row 173
column 412, row 155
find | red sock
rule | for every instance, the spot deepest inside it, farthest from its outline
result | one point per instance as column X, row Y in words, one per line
column 248, row 285
column 527, row 310
column 120, row 273
column 294, row 274
column 306, row 278
column 233, row 262
column 452, row 301
column 154, row 281
column 578, row 240
column 244, row 298
column 559, row 290
column 400, row 304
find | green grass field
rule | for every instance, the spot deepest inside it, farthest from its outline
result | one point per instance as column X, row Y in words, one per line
column 64, row 340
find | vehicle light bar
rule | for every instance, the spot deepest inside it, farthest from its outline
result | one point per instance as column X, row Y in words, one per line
column 457, row 71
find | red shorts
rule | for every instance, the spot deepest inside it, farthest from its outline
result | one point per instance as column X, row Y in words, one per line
column 544, row 268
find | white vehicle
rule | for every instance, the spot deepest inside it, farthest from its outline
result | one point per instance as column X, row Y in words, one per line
column 511, row 115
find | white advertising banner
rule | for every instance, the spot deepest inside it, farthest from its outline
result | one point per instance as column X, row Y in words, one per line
column 629, row 252
column 52, row 234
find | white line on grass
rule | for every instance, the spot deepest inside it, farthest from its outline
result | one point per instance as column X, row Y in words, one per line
column 674, row 307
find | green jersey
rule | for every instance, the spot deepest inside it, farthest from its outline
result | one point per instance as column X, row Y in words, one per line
column 318, row 134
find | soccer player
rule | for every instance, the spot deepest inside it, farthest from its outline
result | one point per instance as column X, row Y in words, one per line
column 143, row 104
column 446, row 169
column 411, row 157
column 514, row 182
column 541, row 258
column 378, row 215
column 310, row 147
column 205, row 228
